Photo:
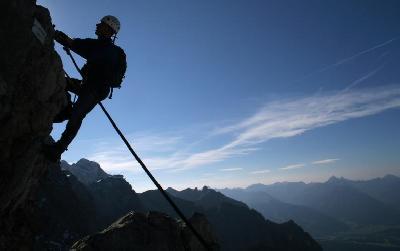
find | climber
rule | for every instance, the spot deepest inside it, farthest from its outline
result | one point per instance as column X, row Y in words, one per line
column 104, row 70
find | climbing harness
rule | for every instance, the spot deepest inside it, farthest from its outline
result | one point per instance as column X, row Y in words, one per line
column 159, row 187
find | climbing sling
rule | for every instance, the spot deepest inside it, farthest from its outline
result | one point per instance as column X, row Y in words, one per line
column 159, row 187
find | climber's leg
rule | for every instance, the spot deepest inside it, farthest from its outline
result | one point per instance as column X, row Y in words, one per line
column 85, row 103
column 74, row 86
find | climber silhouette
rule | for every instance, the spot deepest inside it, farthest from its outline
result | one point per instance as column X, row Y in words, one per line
column 104, row 70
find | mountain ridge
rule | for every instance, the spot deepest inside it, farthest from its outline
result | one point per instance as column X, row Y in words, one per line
column 344, row 195
column 236, row 226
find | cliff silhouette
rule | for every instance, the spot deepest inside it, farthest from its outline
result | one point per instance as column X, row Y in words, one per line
column 31, row 94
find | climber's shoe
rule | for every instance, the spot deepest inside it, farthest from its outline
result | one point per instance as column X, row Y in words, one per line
column 52, row 152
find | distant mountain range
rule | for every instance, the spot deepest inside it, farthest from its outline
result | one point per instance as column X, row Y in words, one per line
column 240, row 228
column 370, row 202
column 82, row 199
column 88, row 200
column 343, row 214
column 313, row 221
column 384, row 189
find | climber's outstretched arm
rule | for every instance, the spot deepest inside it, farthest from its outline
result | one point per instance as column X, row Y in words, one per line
column 63, row 39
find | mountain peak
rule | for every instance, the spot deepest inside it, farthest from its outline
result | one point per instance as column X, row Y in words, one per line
column 171, row 190
column 87, row 171
column 391, row 177
column 336, row 180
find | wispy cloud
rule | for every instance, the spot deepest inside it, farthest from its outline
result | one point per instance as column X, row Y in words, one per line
column 148, row 141
column 324, row 161
column 212, row 156
column 231, row 169
column 159, row 152
column 294, row 166
column 292, row 117
column 278, row 119
column 261, row 171
column 362, row 78
column 349, row 58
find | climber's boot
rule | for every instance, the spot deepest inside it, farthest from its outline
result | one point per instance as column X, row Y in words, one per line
column 65, row 113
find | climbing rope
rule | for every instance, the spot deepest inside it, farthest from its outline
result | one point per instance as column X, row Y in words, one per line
column 159, row 187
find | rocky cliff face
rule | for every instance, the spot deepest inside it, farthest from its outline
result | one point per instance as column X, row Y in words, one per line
column 31, row 94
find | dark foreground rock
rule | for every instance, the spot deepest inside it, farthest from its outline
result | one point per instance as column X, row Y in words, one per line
column 31, row 94
column 152, row 231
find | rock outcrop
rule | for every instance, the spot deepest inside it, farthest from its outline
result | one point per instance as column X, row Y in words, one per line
column 31, row 94
column 151, row 231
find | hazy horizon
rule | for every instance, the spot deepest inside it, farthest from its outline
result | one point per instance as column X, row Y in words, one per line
column 200, row 186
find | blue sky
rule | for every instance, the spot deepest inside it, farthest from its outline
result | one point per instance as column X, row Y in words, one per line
column 229, row 93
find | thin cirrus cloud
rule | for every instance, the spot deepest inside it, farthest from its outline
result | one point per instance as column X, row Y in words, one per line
column 350, row 58
column 231, row 169
column 278, row 119
column 289, row 118
column 294, row 166
column 324, row 161
column 261, row 171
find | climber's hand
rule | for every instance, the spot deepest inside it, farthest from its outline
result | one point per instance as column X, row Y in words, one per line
column 62, row 38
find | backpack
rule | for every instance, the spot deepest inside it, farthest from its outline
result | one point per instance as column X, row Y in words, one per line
column 119, row 67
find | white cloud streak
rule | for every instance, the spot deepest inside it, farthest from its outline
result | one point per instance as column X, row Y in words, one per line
column 261, row 171
column 279, row 119
column 294, row 166
column 324, row 161
column 231, row 169
column 292, row 117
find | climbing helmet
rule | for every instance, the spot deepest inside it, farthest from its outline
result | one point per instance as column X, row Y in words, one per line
column 113, row 22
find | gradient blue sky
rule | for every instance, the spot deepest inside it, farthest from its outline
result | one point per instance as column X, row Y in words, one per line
column 229, row 93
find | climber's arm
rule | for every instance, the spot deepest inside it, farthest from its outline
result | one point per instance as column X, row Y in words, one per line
column 63, row 39
column 83, row 47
